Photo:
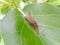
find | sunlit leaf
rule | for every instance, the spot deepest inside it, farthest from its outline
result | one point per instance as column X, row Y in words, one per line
column 15, row 30
column 16, row 1
column 25, row 0
column 0, row 30
column 54, row 2
column 5, row 8
column 47, row 17
column 33, row 0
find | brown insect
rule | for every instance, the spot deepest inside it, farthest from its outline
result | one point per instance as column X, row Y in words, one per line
column 32, row 22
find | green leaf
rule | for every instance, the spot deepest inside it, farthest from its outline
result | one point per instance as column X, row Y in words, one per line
column 33, row 1
column 16, row 1
column 0, row 30
column 16, row 31
column 25, row 0
column 0, row 9
column 0, row 37
column 5, row 8
column 54, row 2
column 47, row 17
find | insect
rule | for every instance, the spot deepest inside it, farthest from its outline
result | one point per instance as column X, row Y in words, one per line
column 32, row 22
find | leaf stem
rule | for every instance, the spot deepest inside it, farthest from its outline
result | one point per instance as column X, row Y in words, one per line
column 21, row 12
column 16, row 6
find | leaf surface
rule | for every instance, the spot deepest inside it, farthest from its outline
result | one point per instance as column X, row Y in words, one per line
column 54, row 2
column 16, row 30
column 47, row 17
column 16, row 1
column 5, row 8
